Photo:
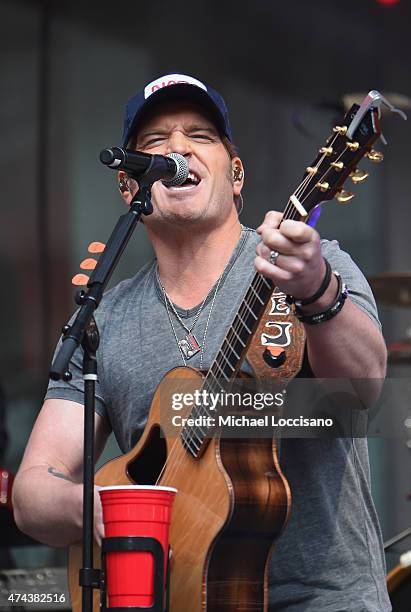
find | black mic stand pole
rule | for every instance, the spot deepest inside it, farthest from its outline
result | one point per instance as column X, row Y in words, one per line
column 84, row 331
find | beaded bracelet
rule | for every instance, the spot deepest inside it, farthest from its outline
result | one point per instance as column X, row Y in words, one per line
column 326, row 315
column 319, row 293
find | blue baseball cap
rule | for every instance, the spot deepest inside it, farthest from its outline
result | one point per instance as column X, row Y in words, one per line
column 175, row 87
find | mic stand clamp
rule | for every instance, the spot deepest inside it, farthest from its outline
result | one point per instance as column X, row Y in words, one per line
column 84, row 331
column 141, row 202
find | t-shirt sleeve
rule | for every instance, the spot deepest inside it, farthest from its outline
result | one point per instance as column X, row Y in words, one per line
column 359, row 290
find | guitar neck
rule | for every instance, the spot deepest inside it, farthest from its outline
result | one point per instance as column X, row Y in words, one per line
column 231, row 352
column 238, row 338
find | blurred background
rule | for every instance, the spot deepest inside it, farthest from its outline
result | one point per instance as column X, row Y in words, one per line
column 285, row 69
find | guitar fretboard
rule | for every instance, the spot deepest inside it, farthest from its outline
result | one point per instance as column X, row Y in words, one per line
column 229, row 357
column 231, row 353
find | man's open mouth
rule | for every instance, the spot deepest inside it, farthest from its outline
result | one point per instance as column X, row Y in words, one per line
column 192, row 181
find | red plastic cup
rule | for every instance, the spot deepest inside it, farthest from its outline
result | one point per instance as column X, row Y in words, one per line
column 135, row 510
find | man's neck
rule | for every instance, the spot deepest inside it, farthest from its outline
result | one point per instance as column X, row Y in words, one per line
column 191, row 262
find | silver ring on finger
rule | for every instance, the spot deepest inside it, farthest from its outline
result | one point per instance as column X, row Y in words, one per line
column 273, row 257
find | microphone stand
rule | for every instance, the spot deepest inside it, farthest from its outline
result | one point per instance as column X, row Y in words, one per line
column 84, row 331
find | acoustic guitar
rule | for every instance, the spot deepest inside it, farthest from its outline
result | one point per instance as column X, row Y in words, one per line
column 233, row 500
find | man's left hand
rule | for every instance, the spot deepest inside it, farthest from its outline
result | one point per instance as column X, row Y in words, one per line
column 299, row 267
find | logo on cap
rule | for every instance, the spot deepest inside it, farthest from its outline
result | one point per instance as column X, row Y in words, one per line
column 171, row 79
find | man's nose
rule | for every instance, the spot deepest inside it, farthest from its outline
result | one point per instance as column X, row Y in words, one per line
column 178, row 143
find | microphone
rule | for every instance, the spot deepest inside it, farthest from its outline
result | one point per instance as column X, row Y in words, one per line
column 171, row 169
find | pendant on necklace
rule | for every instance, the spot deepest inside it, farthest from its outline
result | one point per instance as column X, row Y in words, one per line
column 189, row 346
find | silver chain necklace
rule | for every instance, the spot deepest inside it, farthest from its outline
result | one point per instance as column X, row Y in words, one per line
column 189, row 345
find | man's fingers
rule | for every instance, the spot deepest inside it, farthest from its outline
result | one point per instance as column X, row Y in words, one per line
column 298, row 231
column 285, row 262
column 277, row 274
column 272, row 220
column 99, row 532
column 276, row 241
column 98, row 516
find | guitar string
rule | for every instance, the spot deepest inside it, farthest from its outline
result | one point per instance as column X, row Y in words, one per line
column 176, row 445
column 233, row 328
column 289, row 207
column 195, row 411
column 178, row 450
column 183, row 450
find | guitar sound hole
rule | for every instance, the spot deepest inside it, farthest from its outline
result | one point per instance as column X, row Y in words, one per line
column 145, row 468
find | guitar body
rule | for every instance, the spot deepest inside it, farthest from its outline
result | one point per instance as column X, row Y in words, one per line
column 232, row 503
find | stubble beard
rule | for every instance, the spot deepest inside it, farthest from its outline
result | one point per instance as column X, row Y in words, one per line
column 186, row 218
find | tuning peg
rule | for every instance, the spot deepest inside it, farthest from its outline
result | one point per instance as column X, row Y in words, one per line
column 311, row 169
column 375, row 156
column 344, row 196
column 80, row 279
column 324, row 186
column 326, row 150
column 338, row 166
column 358, row 175
column 88, row 264
column 96, row 247
column 352, row 146
column 340, row 129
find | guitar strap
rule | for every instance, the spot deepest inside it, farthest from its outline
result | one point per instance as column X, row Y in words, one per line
column 277, row 347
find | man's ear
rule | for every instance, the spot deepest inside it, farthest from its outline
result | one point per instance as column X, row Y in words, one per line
column 124, row 187
column 237, row 175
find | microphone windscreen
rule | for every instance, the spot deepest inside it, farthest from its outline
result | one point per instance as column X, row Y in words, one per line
column 182, row 170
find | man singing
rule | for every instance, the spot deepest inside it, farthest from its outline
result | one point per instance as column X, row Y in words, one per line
column 175, row 312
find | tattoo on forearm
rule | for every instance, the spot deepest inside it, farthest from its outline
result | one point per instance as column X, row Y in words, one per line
column 54, row 472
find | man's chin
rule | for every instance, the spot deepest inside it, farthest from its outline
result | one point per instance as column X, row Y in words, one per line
column 184, row 209
column 183, row 217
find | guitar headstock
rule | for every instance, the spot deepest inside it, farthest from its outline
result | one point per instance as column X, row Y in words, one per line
column 337, row 160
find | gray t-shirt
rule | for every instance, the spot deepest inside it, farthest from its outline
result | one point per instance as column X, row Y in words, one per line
column 329, row 558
